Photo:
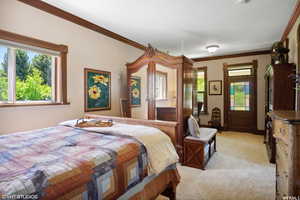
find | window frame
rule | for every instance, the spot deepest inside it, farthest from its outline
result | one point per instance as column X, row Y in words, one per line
column 60, row 90
column 236, row 67
column 226, row 101
column 166, row 90
column 205, row 103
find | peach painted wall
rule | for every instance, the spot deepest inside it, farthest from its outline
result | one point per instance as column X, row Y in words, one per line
column 86, row 49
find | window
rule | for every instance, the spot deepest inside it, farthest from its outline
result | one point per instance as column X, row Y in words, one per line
column 240, row 90
column 240, row 71
column 31, row 75
column 26, row 76
column 240, row 96
column 201, row 88
column 161, row 85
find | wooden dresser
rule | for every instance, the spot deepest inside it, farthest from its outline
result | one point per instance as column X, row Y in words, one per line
column 280, row 95
column 286, row 130
column 166, row 113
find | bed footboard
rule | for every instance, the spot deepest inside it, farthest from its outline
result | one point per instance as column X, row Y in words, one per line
column 170, row 128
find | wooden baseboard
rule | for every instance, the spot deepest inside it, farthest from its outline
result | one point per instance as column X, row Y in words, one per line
column 257, row 132
column 260, row 132
column 207, row 126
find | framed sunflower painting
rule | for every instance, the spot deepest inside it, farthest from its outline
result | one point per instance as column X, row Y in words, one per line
column 97, row 86
column 135, row 91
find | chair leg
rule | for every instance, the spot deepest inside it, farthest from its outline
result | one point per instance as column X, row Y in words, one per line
column 209, row 149
column 215, row 145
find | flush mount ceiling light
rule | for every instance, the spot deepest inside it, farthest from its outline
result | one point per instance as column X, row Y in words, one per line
column 212, row 48
column 242, row 1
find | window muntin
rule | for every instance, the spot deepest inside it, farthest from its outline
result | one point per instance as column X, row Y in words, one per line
column 201, row 95
column 161, row 85
column 240, row 96
column 3, row 73
column 30, row 76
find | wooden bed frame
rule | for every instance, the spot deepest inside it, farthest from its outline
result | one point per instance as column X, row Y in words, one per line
column 170, row 128
column 167, row 181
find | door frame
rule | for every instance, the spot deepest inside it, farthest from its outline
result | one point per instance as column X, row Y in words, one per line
column 226, row 104
column 297, row 68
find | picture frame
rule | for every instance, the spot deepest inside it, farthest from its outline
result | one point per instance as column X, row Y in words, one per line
column 97, row 90
column 215, row 87
column 135, row 91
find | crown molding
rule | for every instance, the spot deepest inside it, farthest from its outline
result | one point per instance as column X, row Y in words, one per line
column 13, row 37
column 79, row 21
column 252, row 53
column 292, row 21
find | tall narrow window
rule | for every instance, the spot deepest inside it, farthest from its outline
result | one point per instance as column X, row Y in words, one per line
column 240, row 90
column 161, row 85
column 32, row 72
column 202, row 87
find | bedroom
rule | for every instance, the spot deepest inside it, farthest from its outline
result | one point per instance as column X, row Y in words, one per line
column 77, row 39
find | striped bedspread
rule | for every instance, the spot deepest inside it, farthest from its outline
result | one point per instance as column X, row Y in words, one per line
column 67, row 163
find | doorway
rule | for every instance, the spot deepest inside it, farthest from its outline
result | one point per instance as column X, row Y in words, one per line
column 240, row 97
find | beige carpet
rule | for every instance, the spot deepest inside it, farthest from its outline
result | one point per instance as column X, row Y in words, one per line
column 238, row 171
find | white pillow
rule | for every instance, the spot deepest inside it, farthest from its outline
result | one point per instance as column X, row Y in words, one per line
column 193, row 125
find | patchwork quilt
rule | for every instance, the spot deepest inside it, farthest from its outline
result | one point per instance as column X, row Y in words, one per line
column 68, row 163
column 160, row 150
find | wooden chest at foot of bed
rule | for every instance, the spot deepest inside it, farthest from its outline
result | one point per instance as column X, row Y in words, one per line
column 197, row 152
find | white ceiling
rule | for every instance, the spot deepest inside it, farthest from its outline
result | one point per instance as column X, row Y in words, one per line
column 188, row 26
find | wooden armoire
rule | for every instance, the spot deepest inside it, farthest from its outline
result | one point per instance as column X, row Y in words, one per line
column 280, row 95
column 185, row 87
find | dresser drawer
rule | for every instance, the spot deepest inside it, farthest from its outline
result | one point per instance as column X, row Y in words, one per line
column 281, row 157
column 282, row 148
column 280, row 196
column 281, row 130
column 281, row 187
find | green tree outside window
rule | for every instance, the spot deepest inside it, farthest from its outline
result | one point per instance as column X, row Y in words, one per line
column 33, row 79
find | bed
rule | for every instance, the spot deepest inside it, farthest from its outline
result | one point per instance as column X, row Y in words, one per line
column 134, row 159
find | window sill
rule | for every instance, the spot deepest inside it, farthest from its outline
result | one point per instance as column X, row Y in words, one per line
column 31, row 104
